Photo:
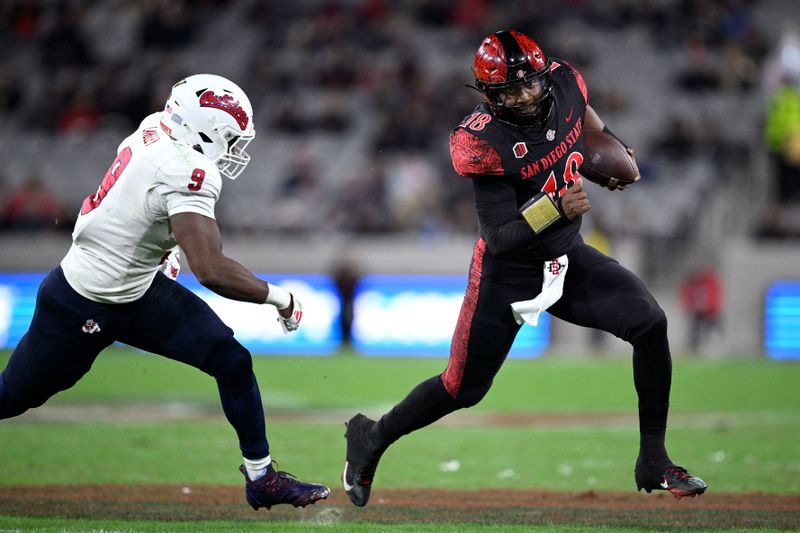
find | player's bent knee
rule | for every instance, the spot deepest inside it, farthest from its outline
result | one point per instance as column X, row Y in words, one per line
column 469, row 396
column 654, row 326
column 229, row 358
column 464, row 395
column 10, row 406
column 649, row 317
column 11, row 409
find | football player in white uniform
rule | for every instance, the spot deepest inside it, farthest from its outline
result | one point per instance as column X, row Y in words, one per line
column 159, row 194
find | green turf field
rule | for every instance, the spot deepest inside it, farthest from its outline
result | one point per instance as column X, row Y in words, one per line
column 560, row 423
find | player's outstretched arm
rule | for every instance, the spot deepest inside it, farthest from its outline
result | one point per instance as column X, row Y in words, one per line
column 201, row 243
column 200, row 239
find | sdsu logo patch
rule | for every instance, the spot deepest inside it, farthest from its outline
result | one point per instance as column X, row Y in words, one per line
column 225, row 103
column 554, row 267
column 520, row 149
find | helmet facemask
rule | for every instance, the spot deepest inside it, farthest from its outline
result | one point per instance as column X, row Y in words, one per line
column 234, row 160
column 509, row 66
column 528, row 114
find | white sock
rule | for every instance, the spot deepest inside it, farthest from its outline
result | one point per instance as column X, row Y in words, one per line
column 256, row 468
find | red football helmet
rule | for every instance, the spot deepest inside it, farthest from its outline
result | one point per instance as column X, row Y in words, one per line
column 506, row 62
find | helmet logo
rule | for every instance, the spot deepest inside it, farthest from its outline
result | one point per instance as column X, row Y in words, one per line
column 225, row 103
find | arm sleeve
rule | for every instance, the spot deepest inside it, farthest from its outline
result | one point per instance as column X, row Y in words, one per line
column 500, row 223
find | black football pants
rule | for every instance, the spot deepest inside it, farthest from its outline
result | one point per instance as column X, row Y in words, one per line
column 598, row 293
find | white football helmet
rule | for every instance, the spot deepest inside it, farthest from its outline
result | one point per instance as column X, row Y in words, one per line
column 214, row 115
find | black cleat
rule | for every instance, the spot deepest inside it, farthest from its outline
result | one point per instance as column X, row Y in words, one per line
column 664, row 475
column 361, row 460
column 277, row 487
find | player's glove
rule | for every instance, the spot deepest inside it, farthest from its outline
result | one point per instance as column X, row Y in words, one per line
column 171, row 264
column 292, row 322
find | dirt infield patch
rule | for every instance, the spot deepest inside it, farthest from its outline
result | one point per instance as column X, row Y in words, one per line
column 189, row 503
column 181, row 411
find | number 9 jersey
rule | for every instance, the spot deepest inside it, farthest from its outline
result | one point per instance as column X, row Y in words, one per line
column 123, row 230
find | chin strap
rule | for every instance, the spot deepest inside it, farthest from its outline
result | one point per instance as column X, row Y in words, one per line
column 473, row 87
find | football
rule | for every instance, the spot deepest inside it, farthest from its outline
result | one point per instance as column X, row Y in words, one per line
column 605, row 159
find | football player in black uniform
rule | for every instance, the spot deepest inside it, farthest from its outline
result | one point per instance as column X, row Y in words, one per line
column 522, row 148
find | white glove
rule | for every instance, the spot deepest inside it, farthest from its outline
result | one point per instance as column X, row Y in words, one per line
column 291, row 323
column 171, row 264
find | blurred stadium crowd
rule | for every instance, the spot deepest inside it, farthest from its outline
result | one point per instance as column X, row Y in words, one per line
column 354, row 101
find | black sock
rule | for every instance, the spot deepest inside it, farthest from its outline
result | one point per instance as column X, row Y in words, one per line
column 652, row 376
column 653, row 418
column 651, row 447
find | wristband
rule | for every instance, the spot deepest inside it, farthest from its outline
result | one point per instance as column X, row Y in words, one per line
column 540, row 212
column 278, row 296
column 608, row 131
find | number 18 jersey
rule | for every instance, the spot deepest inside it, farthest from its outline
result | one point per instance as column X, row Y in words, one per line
column 123, row 230
column 529, row 159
